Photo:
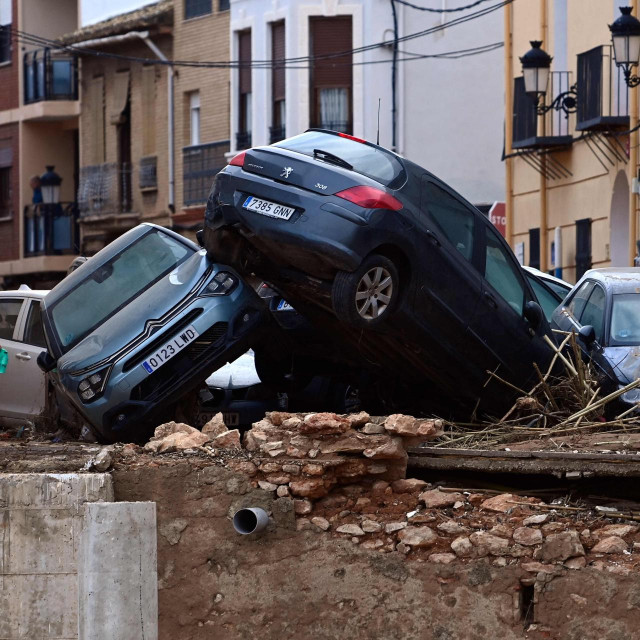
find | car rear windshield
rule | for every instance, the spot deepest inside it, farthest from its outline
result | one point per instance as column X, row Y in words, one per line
column 625, row 329
column 114, row 284
column 376, row 163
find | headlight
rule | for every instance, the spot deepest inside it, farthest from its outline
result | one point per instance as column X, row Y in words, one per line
column 632, row 396
column 222, row 284
column 92, row 386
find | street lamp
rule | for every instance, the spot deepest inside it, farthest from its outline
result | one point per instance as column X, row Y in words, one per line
column 536, row 67
column 625, row 35
column 50, row 183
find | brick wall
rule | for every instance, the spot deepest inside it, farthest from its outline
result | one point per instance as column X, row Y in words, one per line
column 10, row 230
column 9, row 96
column 202, row 38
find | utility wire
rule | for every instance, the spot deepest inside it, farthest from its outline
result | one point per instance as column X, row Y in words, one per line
column 268, row 64
column 430, row 10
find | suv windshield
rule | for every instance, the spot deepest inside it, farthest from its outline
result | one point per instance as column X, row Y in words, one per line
column 624, row 319
column 374, row 162
column 114, row 284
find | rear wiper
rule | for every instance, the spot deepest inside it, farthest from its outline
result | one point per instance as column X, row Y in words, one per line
column 329, row 157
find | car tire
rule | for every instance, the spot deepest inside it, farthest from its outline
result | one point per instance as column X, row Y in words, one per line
column 367, row 296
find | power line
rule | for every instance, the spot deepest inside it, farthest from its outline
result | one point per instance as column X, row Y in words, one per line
column 430, row 10
column 284, row 63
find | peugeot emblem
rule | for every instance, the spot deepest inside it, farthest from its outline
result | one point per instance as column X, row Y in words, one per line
column 286, row 172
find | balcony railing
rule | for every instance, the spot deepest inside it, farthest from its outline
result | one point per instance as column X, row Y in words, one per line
column 49, row 75
column 105, row 189
column 276, row 134
column 333, row 125
column 50, row 229
column 243, row 140
column 532, row 131
column 200, row 163
column 603, row 98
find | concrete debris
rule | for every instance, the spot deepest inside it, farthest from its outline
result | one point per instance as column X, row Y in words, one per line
column 612, row 544
column 175, row 436
column 103, row 460
column 527, row 536
column 486, row 544
column 442, row 558
column 561, row 546
column 321, row 523
column 540, row 518
column 418, row 536
column 440, row 499
column 351, row 529
column 227, row 440
column 215, row 426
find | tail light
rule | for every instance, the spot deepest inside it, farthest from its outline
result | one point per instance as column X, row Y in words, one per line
column 238, row 160
column 370, row 198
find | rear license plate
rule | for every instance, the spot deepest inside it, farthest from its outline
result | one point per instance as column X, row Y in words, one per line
column 231, row 419
column 169, row 349
column 266, row 208
column 283, row 305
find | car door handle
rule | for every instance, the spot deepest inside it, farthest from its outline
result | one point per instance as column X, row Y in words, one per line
column 433, row 237
column 490, row 300
column 23, row 356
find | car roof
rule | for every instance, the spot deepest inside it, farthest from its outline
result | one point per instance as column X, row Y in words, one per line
column 616, row 279
column 24, row 293
column 546, row 276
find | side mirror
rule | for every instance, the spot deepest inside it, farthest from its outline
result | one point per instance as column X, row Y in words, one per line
column 587, row 335
column 200, row 237
column 533, row 314
column 46, row 362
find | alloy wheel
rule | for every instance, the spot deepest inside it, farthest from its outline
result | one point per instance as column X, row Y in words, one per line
column 374, row 293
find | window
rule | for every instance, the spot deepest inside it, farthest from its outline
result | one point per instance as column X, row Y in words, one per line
column 243, row 140
column 583, row 247
column 34, row 333
column 450, row 215
column 579, row 299
column 5, row 30
column 534, row 248
column 331, row 78
column 5, row 192
column 501, row 274
column 194, row 118
column 593, row 313
column 195, row 8
column 9, row 311
column 624, row 319
column 277, row 82
column 223, row 5
column 95, row 104
column 548, row 301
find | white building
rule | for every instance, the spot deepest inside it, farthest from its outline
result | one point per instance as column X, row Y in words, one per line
column 449, row 112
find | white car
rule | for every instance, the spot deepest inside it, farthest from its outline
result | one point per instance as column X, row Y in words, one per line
column 23, row 386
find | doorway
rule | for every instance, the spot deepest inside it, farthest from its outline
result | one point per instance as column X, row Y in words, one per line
column 619, row 222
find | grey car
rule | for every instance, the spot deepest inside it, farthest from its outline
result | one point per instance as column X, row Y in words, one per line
column 142, row 323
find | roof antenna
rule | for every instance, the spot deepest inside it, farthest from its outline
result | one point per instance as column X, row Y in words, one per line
column 378, row 136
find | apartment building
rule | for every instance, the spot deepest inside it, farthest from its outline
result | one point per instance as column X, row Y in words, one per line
column 38, row 129
column 572, row 150
column 441, row 111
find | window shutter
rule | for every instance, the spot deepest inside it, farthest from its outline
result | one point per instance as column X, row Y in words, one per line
column 244, row 50
column 534, row 248
column 278, row 54
column 583, row 247
column 329, row 36
column 148, row 111
column 96, row 128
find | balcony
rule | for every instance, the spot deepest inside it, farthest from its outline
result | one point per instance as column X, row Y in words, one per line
column 603, row 98
column 200, row 163
column 50, row 229
column 276, row 134
column 49, row 75
column 243, row 140
column 104, row 189
column 531, row 131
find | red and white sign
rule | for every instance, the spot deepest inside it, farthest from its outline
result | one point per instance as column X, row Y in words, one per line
column 498, row 217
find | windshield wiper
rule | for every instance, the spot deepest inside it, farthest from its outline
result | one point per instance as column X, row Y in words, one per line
column 329, row 157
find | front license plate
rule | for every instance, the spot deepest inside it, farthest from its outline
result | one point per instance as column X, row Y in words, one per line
column 170, row 349
column 266, row 208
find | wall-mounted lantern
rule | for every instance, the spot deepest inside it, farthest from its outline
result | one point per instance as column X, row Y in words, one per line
column 625, row 35
column 536, row 67
column 50, row 183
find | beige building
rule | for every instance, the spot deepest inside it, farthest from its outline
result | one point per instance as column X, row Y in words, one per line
column 570, row 176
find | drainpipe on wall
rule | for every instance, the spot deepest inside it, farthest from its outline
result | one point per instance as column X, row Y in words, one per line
column 544, row 223
column 508, row 129
column 633, row 163
column 170, row 108
column 394, row 74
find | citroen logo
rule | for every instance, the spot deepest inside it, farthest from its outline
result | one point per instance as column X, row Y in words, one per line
column 286, row 172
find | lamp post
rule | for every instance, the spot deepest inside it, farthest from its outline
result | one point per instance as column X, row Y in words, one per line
column 536, row 67
column 625, row 36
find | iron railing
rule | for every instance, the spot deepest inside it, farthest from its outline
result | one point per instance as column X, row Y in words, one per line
column 276, row 134
column 603, row 98
column 195, row 8
column 200, row 163
column 105, row 189
column 333, row 125
column 243, row 140
column 51, row 229
column 148, row 175
column 49, row 75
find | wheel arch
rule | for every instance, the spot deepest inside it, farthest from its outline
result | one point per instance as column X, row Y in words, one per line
column 400, row 258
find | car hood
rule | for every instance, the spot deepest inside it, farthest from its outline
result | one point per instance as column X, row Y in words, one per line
column 137, row 317
column 625, row 362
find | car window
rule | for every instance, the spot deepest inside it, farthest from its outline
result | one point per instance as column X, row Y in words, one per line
column 374, row 162
column 453, row 218
column 625, row 312
column 501, row 273
column 34, row 331
column 593, row 312
column 548, row 300
column 579, row 299
column 560, row 289
column 9, row 311
column 110, row 286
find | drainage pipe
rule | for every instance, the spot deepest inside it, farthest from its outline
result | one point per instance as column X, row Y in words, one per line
column 250, row 520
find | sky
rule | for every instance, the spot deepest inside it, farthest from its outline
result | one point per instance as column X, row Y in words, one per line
column 96, row 10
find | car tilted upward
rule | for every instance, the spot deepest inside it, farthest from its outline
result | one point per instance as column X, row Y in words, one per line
column 140, row 324
column 604, row 310
column 405, row 273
